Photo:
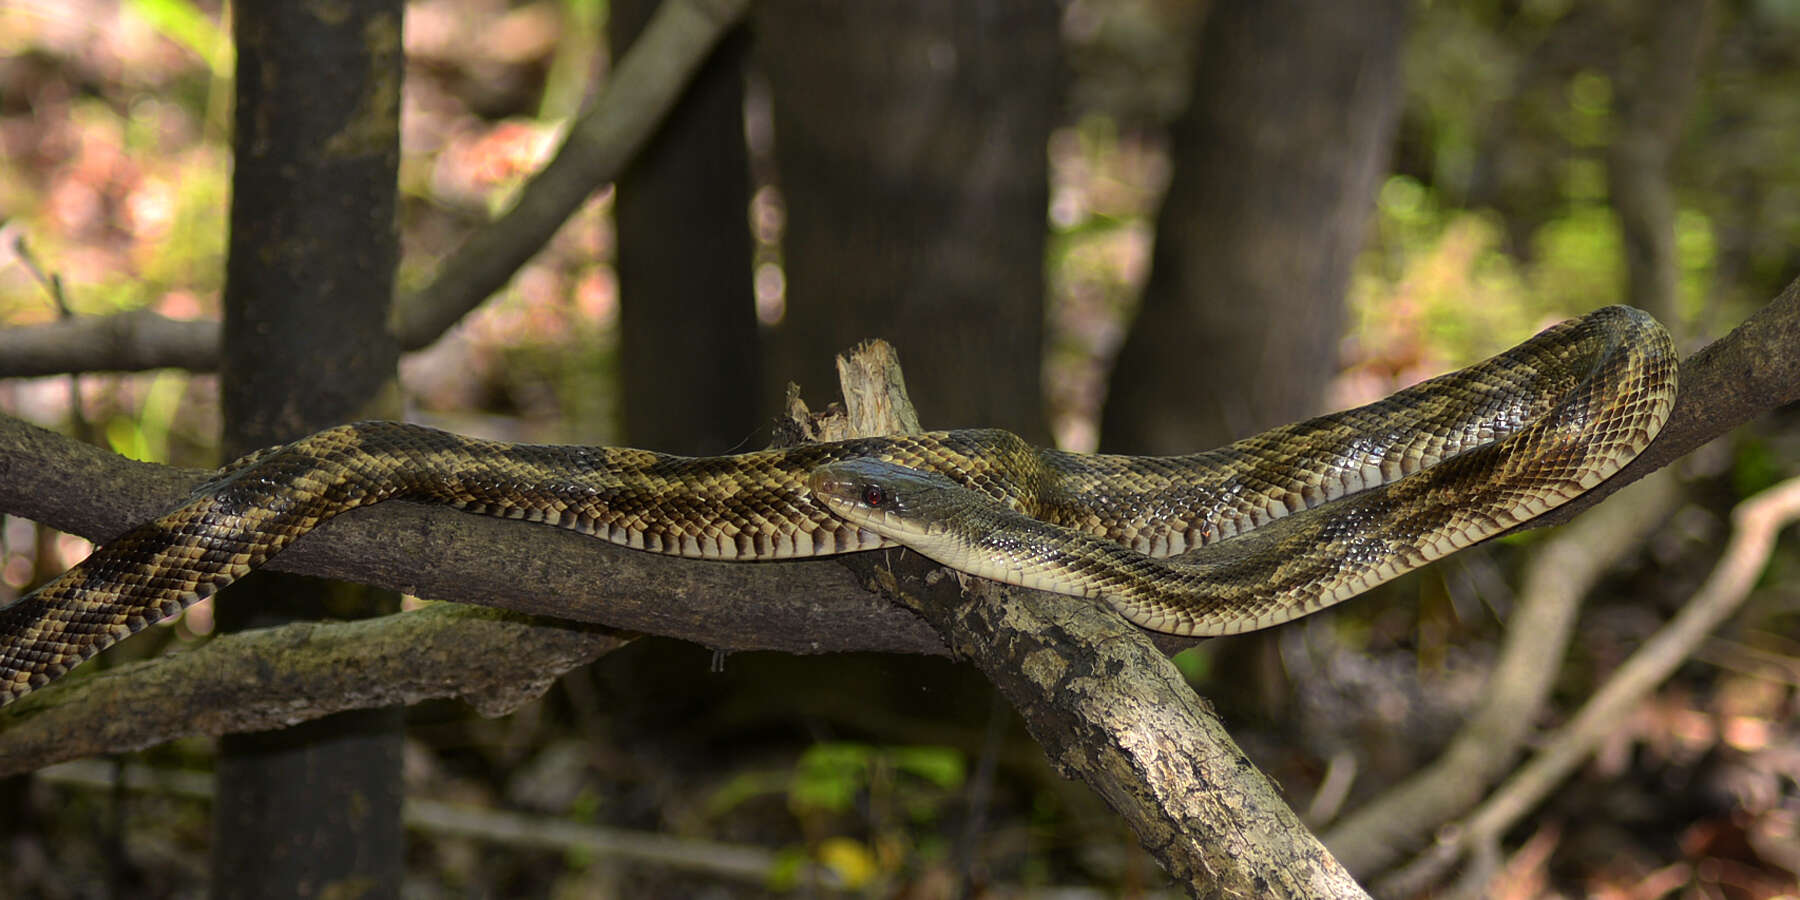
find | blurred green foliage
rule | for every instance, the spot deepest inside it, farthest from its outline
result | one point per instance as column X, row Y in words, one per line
column 1494, row 220
column 871, row 809
column 193, row 28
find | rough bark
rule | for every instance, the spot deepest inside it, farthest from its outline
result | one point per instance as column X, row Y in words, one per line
column 1072, row 697
column 1275, row 165
column 1109, row 708
column 690, row 371
column 1106, row 705
column 910, row 141
column 271, row 677
column 800, row 607
column 688, row 344
column 312, row 809
column 442, row 554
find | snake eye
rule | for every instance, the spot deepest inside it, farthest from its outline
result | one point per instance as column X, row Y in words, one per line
column 873, row 495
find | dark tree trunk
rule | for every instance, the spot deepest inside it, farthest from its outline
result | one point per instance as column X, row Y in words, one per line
column 688, row 344
column 1656, row 86
column 313, row 810
column 1276, row 162
column 910, row 141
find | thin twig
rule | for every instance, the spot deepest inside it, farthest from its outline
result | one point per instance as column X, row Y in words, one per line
column 1560, row 573
column 601, row 142
column 1757, row 521
column 738, row 862
column 51, row 281
column 1744, row 659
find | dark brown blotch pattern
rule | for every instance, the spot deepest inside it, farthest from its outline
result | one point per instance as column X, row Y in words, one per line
column 1276, row 525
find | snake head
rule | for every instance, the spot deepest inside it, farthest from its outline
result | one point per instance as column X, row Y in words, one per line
column 891, row 500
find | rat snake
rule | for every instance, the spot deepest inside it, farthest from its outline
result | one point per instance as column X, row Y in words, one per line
column 1269, row 528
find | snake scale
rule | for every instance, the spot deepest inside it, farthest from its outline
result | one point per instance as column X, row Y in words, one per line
column 1269, row 528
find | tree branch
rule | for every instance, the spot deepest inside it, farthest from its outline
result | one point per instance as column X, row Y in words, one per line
column 639, row 93
column 1752, row 370
column 808, row 607
column 1565, row 567
column 272, row 677
column 1557, row 577
column 737, row 862
column 128, row 342
column 1110, row 708
column 1757, row 522
column 601, row 142
column 1106, row 705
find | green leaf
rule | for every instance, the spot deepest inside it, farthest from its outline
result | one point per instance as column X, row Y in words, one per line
column 828, row 777
column 186, row 24
column 942, row 766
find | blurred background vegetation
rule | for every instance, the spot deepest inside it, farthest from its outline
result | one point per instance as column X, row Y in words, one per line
column 1495, row 214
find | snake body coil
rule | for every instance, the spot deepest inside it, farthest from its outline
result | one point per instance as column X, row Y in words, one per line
column 1272, row 527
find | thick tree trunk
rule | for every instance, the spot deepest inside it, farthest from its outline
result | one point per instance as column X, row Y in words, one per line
column 1276, row 162
column 688, row 345
column 910, row 139
column 312, row 810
